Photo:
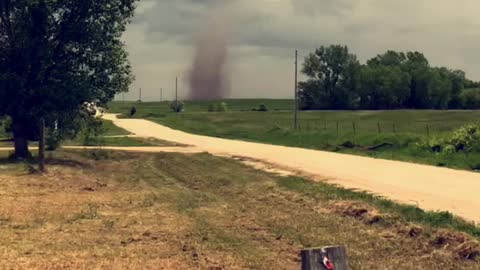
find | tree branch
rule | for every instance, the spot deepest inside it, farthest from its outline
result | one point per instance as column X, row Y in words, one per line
column 5, row 16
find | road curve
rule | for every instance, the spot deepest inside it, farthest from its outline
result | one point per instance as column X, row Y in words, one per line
column 431, row 188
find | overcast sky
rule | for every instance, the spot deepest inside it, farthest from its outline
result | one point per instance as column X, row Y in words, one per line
column 263, row 34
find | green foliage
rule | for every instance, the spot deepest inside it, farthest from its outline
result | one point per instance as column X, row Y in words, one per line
column 66, row 127
column 92, row 132
column 133, row 111
column 262, row 108
column 222, row 107
column 211, row 107
column 465, row 138
column 431, row 144
column 53, row 139
column 56, row 55
column 470, row 99
column 384, row 87
column 333, row 78
column 390, row 58
column 5, row 126
column 177, row 106
column 218, row 107
column 392, row 80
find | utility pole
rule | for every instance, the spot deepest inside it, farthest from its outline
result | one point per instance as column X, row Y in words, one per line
column 123, row 97
column 161, row 94
column 176, row 89
column 41, row 147
column 295, row 124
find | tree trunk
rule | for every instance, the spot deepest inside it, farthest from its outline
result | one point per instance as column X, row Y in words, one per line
column 41, row 147
column 21, row 148
column 20, row 141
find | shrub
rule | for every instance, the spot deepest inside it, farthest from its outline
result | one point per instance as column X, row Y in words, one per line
column 262, row 108
column 218, row 107
column 348, row 144
column 92, row 132
column 53, row 139
column 6, row 124
column 449, row 149
column 222, row 107
column 177, row 106
column 133, row 111
column 211, row 107
column 466, row 138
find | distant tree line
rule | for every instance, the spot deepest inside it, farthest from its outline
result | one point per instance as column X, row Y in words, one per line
column 393, row 80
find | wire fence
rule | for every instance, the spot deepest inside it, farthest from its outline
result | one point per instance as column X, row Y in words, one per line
column 370, row 127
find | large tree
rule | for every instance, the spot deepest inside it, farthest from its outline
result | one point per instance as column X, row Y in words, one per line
column 390, row 58
column 383, row 87
column 333, row 78
column 458, row 78
column 57, row 54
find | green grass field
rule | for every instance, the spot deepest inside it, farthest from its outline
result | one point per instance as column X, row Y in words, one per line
column 380, row 134
column 160, row 109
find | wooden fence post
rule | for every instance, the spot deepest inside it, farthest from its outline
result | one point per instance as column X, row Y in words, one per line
column 317, row 258
column 354, row 133
column 41, row 147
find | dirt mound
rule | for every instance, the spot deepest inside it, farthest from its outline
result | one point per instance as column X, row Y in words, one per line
column 358, row 211
column 459, row 244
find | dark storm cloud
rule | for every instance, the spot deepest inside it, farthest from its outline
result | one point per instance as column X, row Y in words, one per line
column 253, row 23
column 262, row 34
column 322, row 7
column 176, row 19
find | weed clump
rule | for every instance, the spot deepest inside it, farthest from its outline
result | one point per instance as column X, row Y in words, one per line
column 133, row 111
column 218, row 107
column 262, row 108
column 177, row 106
column 464, row 139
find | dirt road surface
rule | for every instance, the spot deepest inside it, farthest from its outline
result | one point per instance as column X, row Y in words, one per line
column 431, row 188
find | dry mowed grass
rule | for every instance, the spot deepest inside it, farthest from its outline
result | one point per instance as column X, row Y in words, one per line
column 100, row 210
